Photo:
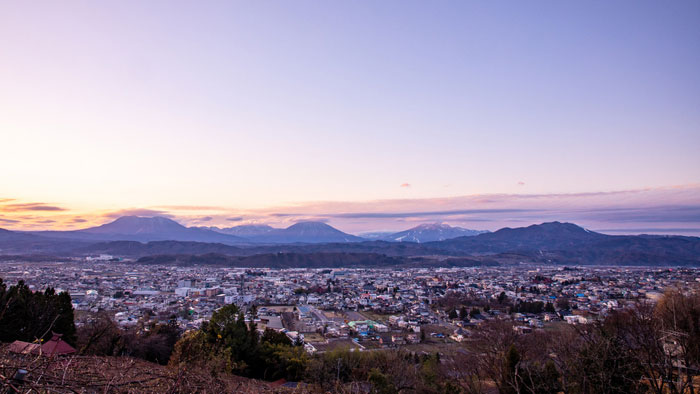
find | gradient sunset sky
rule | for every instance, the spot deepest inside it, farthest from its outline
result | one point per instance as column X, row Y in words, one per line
column 367, row 115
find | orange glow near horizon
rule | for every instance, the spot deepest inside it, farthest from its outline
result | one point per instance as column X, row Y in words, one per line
column 676, row 207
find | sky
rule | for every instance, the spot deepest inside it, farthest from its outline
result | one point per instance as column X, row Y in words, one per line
column 366, row 115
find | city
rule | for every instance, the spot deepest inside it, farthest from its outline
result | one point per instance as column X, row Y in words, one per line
column 359, row 308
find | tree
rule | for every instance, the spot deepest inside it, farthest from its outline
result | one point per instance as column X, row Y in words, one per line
column 679, row 319
column 452, row 314
column 563, row 303
column 463, row 312
column 274, row 337
column 474, row 312
column 28, row 316
column 380, row 383
column 596, row 360
column 502, row 297
column 99, row 335
column 228, row 344
column 549, row 308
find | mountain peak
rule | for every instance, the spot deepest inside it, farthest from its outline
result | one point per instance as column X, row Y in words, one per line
column 429, row 232
column 311, row 226
column 307, row 232
column 559, row 226
column 136, row 225
column 157, row 228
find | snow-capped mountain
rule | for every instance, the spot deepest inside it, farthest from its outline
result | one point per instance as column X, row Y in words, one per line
column 431, row 232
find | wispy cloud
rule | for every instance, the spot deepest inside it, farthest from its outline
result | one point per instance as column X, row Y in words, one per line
column 675, row 207
column 405, row 185
column 416, row 214
column 137, row 212
column 34, row 206
column 663, row 210
column 190, row 208
column 653, row 230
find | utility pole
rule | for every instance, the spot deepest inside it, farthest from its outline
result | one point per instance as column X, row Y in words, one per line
column 337, row 378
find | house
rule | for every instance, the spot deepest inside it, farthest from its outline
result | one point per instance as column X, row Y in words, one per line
column 57, row 346
column 459, row 335
column 412, row 338
column 21, row 347
column 53, row 347
column 522, row 329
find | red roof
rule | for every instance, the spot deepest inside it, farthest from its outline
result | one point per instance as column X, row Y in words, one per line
column 21, row 347
column 53, row 347
column 56, row 346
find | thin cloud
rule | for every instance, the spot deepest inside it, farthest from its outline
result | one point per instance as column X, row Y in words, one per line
column 137, row 212
column 34, row 206
column 405, row 185
column 9, row 220
column 651, row 230
column 310, row 219
column 236, row 219
column 654, row 214
column 369, row 215
column 190, row 208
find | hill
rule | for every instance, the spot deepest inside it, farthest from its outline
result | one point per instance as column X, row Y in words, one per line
column 545, row 236
column 20, row 243
column 245, row 230
column 92, row 374
column 305, row 232
column 315, row 260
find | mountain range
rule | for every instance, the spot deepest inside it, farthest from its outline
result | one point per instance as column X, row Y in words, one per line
column 554, row 242
column 147, row 229
column 143, row 229
column 302, row 232
column 315, row 232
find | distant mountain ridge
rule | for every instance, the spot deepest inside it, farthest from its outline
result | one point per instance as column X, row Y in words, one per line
column 147, row 229
column 554, row 242
column 144, row 229
column 302, row 232
column 430, row 233
column 547, row 236
column 245, row 230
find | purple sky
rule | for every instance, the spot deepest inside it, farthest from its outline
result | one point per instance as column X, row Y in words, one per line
column 261, row 108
